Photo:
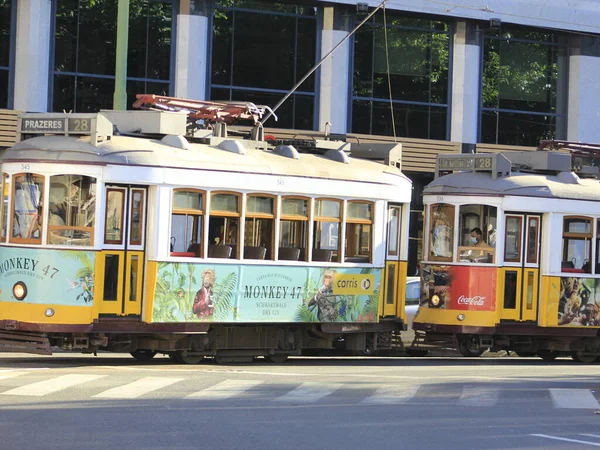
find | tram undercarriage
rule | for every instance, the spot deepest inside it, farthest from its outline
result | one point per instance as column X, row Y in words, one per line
column 549, row 345
column 226, row 344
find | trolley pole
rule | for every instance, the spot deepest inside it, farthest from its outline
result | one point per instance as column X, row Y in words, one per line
column 120, row 96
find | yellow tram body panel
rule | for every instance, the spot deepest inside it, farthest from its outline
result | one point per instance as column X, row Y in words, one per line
column 40, row 313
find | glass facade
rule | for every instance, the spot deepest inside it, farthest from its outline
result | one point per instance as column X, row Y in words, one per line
column 523, row 87
column 85, row 52
column 260, row 51
column 5, row 42
column 418, row 52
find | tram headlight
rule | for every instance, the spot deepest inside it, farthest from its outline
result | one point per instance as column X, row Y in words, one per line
column 435, row 301
column 49, row 312
column 461, row 317
column 19, row 290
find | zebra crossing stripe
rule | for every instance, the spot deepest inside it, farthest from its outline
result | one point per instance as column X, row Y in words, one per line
column 4, row 375
column 573, row 398
column 478, row 396
column 52, row 385
column 138, row 388
column 223, row 390
column 309, row 392
column 390, row 394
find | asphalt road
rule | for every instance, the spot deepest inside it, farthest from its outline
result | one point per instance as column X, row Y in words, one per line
column 82, row 402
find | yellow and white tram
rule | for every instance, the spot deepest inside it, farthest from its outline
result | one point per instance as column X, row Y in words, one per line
column 512, row 255
column 121, row 232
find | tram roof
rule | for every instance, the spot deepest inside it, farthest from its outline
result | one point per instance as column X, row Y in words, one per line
column 564, row 185
column 145, row 152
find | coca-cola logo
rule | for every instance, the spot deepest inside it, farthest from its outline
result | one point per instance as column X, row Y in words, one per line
column 476, row 300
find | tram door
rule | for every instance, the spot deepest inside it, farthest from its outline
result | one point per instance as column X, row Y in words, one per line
column 394, row 282
column 123, row 250
column 520, row 277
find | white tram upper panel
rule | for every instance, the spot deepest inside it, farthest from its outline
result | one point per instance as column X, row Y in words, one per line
column 145, row 159
column 554, row 182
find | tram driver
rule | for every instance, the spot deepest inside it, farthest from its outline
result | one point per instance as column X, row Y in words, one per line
column 477, row 250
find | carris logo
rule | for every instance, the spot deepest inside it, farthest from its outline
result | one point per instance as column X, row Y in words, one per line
column 476, row 300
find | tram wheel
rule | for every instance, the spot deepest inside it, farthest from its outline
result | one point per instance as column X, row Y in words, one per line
column 582, row 357
column 467, row 349
column 548, row 355
column 143, row 355
column 277, row 358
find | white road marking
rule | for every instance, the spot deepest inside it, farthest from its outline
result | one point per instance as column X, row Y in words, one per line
column 52, row 385
column 5, row 375
column 566, row 439
column 391, row 394
column 478, row 396
column 573, row 398
column 138, row 387
column 309, row 392
column 226, row 389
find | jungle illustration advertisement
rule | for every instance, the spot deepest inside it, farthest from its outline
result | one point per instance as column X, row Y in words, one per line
column 579, row 303
column 227, row 293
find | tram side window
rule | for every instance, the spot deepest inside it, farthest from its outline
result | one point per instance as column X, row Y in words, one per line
column 4, row 206
column 223, row 225
column 478, row 225
column 259, row 226
column 577, row 244
column 293, row 229
column 27, row 208
column 326, row 230
column 187, row 223
column 359, row 226
column 72, row 210
column 441, row 232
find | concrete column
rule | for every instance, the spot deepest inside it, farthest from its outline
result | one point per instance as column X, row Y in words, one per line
column 191, row 50
column 583, row 113
column 32, row 55
column 466, row 83
column 334, row 73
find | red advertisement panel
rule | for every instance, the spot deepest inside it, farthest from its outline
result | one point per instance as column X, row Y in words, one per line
column 473, row 288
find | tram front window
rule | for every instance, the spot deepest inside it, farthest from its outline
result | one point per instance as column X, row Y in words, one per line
column 71, row 211
column 441, row 232
column 477, row 233
column 27, row 208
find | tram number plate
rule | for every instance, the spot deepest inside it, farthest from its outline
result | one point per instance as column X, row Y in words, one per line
column 73, row 125
column 81, row 126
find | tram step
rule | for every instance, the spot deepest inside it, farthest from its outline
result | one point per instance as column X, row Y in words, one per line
column 24, row 343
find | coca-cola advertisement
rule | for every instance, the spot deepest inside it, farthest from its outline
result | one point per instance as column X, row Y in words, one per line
column 461, row 287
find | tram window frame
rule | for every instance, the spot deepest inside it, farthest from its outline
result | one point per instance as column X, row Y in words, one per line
column 596, row 266
column 357, row 225
column 37, row 221
column 194, row 246
column 115, row 216
column 71, row 209
column 394, row 230
column 532, row 251
column 445, row 220
column 568, row 236
column 229, row 220
column 4, row 207
column 254, row 220
column 319, row 219
column 514, row 257
column 298, row 231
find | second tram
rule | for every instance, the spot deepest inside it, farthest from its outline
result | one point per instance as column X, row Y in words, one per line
column 123, row 231
column 512, row 254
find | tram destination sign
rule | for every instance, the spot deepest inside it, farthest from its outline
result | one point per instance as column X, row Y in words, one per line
column 471, row 162
column 494, row 163
column 58, row 125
